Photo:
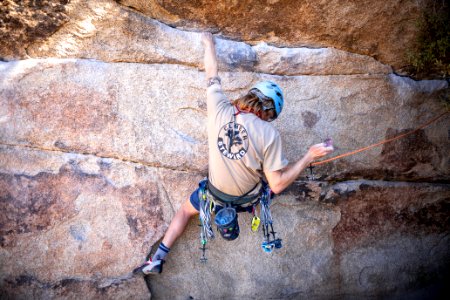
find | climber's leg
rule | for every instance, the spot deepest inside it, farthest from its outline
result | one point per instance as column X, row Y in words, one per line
column 179, row 223
column 176, row 228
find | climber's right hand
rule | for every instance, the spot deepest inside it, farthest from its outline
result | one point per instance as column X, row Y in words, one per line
column 319, row 150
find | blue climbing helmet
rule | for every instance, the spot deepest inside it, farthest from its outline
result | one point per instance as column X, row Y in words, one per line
column 272, row 91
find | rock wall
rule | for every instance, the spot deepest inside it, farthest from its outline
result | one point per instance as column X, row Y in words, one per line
column 102, row 137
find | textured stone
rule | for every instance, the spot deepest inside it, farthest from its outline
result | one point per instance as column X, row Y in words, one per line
column 306, row 61
column 120, row 111
column 393, row 237
column 27, row 287
column 102, row 137
column 81, row 226
column 372, row 210
column 407, row 266
column 240, row 269
column 104, row 31
column 377, row 28
column 103, row 115
column 374, row 233
column 90, row 249
column 25, row 22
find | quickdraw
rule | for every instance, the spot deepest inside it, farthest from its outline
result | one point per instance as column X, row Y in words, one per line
column 206, row 207
column 311, row 176
column 268, row 244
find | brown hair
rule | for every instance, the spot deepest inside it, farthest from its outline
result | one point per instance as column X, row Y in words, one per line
column 252, row 103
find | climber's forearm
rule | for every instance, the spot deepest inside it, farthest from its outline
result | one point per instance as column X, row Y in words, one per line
column 281, row 179
column 210, row 59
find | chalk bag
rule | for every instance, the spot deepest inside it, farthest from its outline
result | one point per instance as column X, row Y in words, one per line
column 227, row 223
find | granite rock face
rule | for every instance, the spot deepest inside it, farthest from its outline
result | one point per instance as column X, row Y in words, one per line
column 128, row 37
column 374, row 243
column 103, row 137
column 24, row 22
column 125, row 111
column 76, row 224
column 375, row 28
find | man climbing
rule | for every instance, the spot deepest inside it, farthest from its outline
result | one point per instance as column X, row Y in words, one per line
column 243, row 147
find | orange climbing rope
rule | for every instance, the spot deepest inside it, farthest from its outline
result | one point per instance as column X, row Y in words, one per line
column 381, row 142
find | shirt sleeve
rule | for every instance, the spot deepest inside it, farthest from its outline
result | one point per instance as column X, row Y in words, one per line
column 215, row 98
column 274, row 158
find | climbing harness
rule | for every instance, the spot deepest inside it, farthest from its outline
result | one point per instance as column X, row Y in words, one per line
column 226, row 208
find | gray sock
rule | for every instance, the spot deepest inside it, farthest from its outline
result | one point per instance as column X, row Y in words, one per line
column 161, row 253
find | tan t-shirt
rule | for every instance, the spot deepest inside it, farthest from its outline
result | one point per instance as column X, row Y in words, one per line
column 241, row 148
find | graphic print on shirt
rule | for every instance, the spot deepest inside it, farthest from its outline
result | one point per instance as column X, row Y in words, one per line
column 233, row 141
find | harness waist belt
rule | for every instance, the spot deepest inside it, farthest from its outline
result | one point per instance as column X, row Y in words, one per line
column 233, row 200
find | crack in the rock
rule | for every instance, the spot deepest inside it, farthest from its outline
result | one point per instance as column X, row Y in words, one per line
column 163, row 188
column 436, row 245
column 162, row 166
column 100, row 283
column 325, row 74
column 198, row 68
column 192, row 108
column 115, row 157
column 165, row 61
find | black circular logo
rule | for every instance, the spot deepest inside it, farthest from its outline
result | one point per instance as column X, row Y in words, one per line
column 233, row 141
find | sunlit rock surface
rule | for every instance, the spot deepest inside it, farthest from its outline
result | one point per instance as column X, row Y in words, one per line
column 103, row 136
column 380, row 29
column 131, row 111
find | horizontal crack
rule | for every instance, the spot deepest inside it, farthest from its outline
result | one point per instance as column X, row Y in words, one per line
column 150, row 62
column 287, row 191
column 192, row 108
column 115, row 157
column 100, row 283
column 199, row 68
column 372, row 182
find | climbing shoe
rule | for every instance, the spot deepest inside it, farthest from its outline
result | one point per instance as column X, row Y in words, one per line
column 150, row 267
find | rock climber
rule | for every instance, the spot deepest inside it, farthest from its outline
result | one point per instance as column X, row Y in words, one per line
column 244, row 147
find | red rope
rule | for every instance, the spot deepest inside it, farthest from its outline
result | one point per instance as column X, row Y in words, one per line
column 381, row 142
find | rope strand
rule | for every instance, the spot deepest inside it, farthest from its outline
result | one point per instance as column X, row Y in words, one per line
column 381, row 142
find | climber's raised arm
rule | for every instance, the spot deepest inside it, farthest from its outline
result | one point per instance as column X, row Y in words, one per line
column 210, row 59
